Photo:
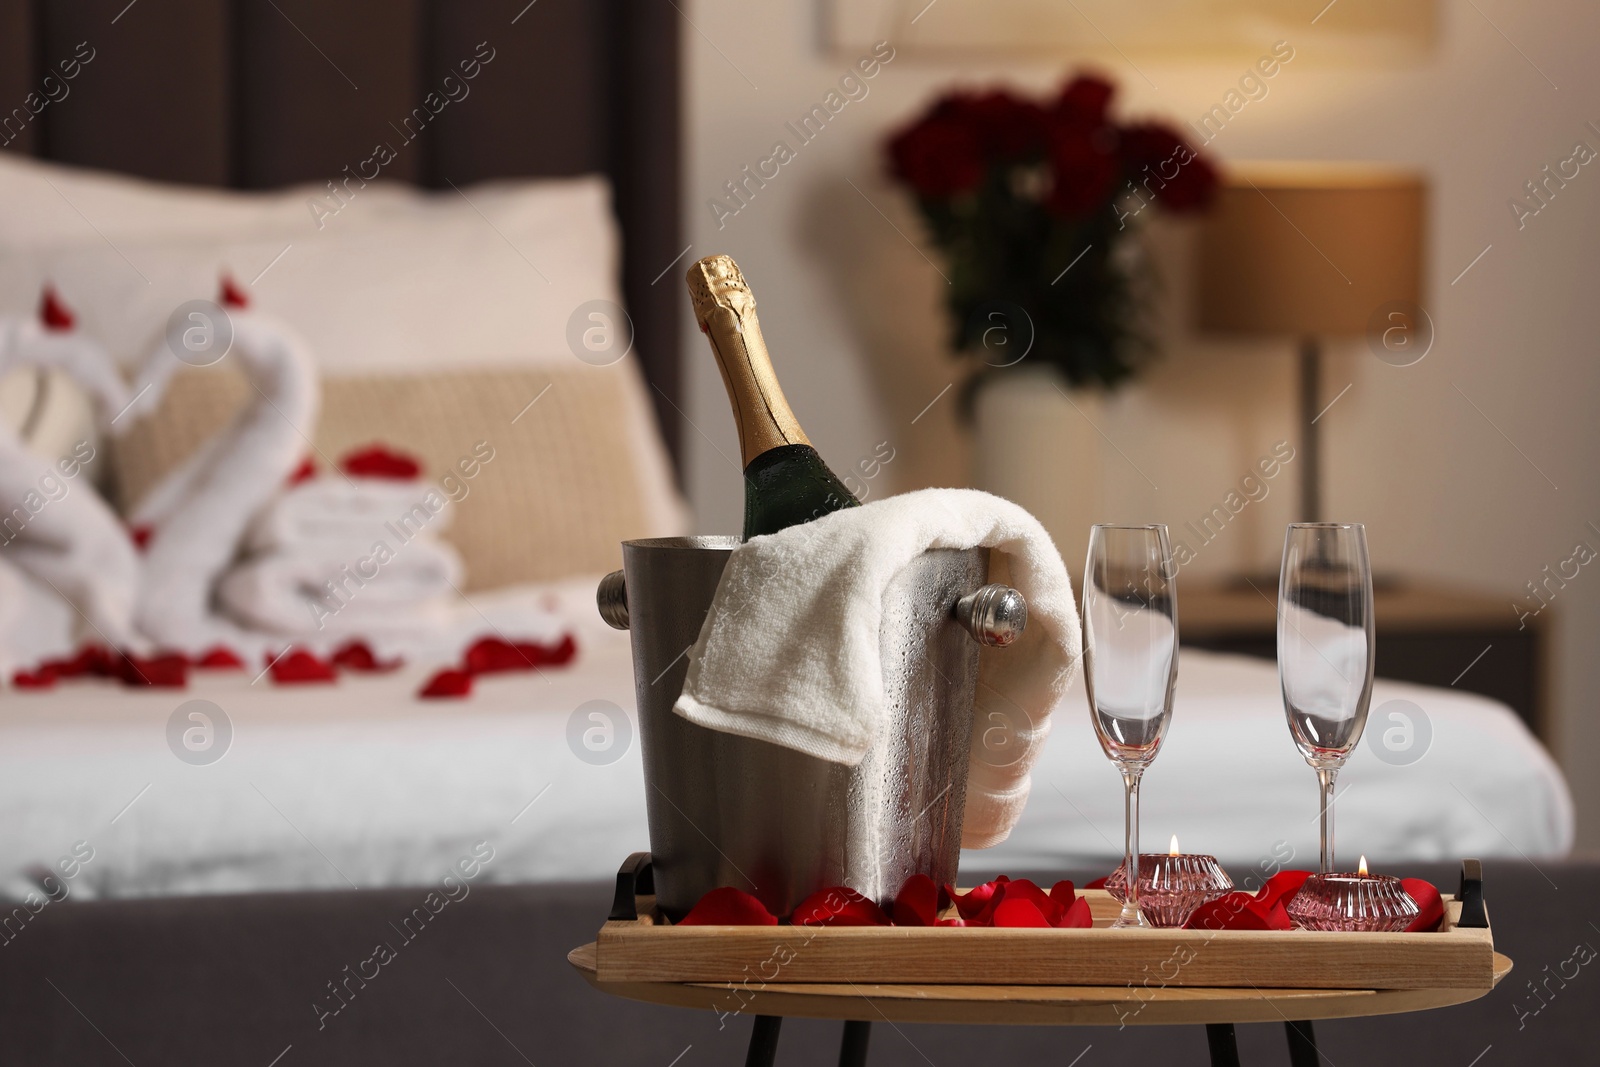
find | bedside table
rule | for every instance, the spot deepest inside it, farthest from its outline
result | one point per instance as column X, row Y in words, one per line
column 1428, row 633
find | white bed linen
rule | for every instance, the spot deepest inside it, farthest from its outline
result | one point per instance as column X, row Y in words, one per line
column 362, row 784
column 1230, row 782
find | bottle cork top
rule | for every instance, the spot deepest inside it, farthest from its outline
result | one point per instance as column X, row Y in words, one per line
column 716, row 282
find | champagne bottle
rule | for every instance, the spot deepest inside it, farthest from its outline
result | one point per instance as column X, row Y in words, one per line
column 785, row 480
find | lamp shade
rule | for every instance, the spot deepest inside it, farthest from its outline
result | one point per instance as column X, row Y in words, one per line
column 1310, row 249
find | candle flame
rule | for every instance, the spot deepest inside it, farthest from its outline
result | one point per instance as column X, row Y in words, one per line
column 1173, row 851
column 1362, row 870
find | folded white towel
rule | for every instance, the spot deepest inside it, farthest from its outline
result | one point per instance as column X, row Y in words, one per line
column 390, row 587
column 789, row 652
column 54, row 526
column 348, row 515
column 198, row 513
column 36, row 622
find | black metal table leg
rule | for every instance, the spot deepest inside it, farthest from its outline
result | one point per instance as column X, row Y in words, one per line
column 853, row 1051
column 1302, row 1045
column 1223, row 1044
column 763, row 1042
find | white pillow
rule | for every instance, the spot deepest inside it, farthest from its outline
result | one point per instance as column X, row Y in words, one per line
column 50, row 206
column 397, row 280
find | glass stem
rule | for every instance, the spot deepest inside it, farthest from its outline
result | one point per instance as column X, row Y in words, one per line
column 1326, row 776
column 1130, row 840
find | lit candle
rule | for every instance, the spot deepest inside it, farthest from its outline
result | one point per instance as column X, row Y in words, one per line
column 1173, row 885
column 1353, row 902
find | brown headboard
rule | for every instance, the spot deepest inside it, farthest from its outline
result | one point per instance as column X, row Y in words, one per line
column 260, row 93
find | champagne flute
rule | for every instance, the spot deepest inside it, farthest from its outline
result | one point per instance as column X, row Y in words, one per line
column 1130, row 650
column 1325, row 649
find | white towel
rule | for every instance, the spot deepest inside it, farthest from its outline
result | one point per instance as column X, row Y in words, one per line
column 199, row 513
column 36, row 623
column 348, row 515
column 54, row 526
column 789, row 652
column 403, row 588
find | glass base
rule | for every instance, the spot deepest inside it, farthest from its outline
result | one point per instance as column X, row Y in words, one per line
column 1131, row 919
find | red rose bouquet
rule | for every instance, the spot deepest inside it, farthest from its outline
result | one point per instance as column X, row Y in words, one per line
column 1034, row 204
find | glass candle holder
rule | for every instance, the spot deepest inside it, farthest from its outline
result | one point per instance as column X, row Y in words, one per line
column 1352, row 902
column 1171, row 887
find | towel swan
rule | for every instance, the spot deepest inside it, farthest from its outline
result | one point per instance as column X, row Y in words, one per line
column 197, row 516
column 58, row 539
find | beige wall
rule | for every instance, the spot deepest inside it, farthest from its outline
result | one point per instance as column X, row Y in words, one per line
column 852, row 310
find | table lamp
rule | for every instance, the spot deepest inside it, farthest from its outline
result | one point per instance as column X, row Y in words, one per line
column 1310, row 251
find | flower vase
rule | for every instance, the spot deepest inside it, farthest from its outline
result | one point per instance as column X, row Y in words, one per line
column 1035, row 443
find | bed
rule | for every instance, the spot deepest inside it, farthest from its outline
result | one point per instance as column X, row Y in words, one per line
column 211, row 905
column 362, row 785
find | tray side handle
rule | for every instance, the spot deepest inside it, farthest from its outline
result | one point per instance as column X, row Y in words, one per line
column 1473, row 915
column 634, row 878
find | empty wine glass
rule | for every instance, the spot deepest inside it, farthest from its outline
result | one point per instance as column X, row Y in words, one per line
column 1130, row 651
column 1325, row 649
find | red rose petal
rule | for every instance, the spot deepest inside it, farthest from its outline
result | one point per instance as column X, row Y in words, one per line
column 300, row 667
column 940, row 156
column 303, row 473
column 76, row 667
column 377, row 461
column 727, row 906
column 161, row 672
column 1085, row 99
column 1077, row 916
column 44, row 678
column 557, row 655
column 979, row 902
column 220, row 658
column 100, row 662
column 1018, row 912
column 1064, row 893
column 1098, row 883
column 446, row 684
column 490, row 655
column 1221, row 914
column 1149, row 149
column 1023, row 889
column 1281, row 887
column 55, row 315
column 1239, row 911
column 838, row 906
column 231, row 295
column 917, row 903
column 358, row 656
column 90, row 660
column 1430, row 906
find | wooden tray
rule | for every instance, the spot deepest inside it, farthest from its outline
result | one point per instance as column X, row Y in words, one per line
column 645, row 948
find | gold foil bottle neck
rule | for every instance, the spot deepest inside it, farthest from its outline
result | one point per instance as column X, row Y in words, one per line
column 717, row 282
column 726, row 312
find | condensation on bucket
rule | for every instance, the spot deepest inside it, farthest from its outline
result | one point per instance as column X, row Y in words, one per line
column 728, row 810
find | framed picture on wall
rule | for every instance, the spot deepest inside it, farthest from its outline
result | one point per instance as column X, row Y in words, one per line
column 1350, row 30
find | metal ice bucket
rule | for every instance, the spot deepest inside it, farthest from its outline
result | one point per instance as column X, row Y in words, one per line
column 731, row 811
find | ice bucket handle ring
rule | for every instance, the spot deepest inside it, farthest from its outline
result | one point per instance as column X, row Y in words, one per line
column 612, row 599
column 995, row 615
